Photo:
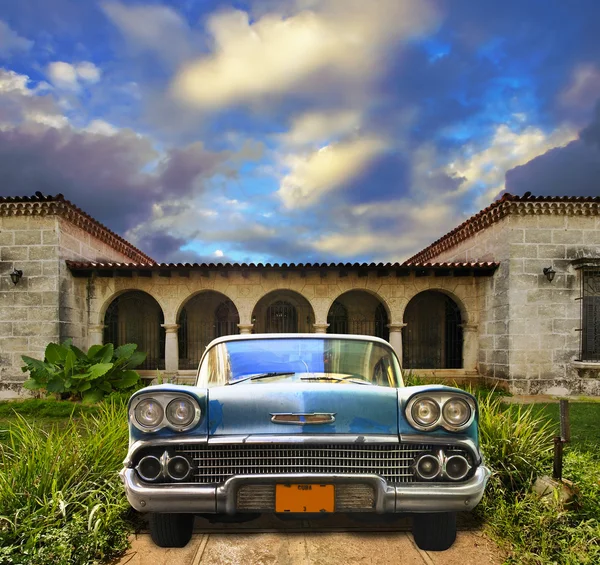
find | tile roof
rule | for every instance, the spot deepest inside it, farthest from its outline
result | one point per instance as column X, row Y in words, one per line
column 92, row 265
column 510, row 204
column 40, row 205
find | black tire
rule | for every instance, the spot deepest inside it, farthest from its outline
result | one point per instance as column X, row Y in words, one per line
column 171, row 530
column 435, row 531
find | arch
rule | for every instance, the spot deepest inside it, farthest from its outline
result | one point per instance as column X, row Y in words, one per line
column 135, row 316
column 108, row 301
column 368, row 291
column 203, row 317
column 193, row 295
column 359, row 311
column 283, row 310
column 432, row 337
column 466, row 317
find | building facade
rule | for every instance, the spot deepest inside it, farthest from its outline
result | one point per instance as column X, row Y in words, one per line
column 476, row 304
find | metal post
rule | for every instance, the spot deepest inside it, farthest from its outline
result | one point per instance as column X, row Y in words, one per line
column 559, row 441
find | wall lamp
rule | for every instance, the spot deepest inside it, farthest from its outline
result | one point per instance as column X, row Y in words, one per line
column 15, row 275
column 550, row 273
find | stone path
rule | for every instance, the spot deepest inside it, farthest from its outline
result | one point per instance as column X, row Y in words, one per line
column 305, row 543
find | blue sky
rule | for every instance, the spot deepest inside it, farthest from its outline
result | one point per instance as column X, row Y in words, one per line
column 296, row 130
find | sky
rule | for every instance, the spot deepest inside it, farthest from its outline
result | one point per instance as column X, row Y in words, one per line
column 297, row 130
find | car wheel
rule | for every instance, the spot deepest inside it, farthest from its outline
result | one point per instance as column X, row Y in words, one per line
column 435, row 531
column 171, row 530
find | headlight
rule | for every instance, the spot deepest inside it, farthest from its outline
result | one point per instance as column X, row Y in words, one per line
column 425, row 412
column 149, row 413
column 456, row 412
column 181, row 412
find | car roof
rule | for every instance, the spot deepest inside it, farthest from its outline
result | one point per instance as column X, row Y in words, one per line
column 242, row 337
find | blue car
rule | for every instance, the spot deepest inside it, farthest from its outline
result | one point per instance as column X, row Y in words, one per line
column 300, row 425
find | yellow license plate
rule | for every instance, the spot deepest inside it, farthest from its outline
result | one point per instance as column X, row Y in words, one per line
column 304, row 498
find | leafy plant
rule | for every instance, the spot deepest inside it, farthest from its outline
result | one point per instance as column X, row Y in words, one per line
column 69, row 372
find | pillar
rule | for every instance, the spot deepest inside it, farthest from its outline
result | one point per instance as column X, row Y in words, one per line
column 95, row 334
column 396, row 339
column 320, row 328
column 245, row 328
column 171, row 348
column 470, row 346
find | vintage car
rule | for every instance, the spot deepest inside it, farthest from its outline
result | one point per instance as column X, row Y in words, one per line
column 302, row 425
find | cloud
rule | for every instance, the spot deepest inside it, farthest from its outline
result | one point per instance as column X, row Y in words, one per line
column 155, row 29
column 486, row 168
column 11, row 42
column 71, row 77
column 323, row 171
column 317, row 126
column 572, row 170
column 281, row 53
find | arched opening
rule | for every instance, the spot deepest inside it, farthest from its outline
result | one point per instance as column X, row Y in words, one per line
column 136, row 317
column 358, row 312
column 432, row 337
column 283, row 311
column 204, row 317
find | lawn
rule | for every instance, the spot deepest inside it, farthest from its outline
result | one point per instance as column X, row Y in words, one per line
column 585, row 422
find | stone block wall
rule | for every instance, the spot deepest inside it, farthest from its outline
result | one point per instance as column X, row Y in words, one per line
column 528, row 334
column 76, row 244
column 29, row 311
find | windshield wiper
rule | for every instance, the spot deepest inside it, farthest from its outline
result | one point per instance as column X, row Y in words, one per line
column 260, row 376
column 338, row 379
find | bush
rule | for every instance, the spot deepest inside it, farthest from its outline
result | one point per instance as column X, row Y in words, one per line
column 517, row 444
column 69, row 372
column 61, row 498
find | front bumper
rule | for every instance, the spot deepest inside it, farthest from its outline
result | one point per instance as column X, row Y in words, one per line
column 221, row 499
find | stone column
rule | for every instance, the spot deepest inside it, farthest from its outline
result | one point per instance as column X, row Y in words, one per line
column 320, row 328
column 245, row 328
column 396, row 339
column 171, row 348
column 470, row 346
column 95, row 334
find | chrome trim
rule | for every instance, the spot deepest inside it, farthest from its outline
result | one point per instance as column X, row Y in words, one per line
column 305, row 438
column 158, row 442
column 299, row 418
column 457, row 456
column 441, row 397
column 164, row 399
column 464, row 443
column 414, row 497
column 144, row 477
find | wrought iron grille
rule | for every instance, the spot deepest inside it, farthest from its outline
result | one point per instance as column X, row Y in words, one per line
column 281, row 317
column 340, row 323
column 216, row 463
column 433, row 337
column 133, row 317
column 590, row 314
column 195, row 336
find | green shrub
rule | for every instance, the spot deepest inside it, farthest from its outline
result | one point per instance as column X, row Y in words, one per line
column 69, row 372
column 61, row 499
column 517, row 443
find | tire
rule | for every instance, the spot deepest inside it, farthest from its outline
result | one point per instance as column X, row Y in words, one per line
column 435, row 531
column 171, row 530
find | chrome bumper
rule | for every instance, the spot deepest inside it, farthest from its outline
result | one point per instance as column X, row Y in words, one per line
column 221, row 499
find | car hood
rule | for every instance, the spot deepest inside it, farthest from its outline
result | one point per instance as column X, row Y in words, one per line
column 247, row 409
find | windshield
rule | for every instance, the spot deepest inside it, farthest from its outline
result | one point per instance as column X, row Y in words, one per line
column 257, row 361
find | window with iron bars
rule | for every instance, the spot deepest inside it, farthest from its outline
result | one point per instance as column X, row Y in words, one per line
column 590, row 314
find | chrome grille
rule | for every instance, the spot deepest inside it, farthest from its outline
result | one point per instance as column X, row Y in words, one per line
column 261, row 498
column 216, row 463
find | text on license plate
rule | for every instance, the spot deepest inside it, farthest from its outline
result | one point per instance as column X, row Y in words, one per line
column 304, row 498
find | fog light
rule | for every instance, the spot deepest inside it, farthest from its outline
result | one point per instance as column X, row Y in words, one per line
column 457, row 467
column 178, row 468
column 149, row 468
column 427, row 467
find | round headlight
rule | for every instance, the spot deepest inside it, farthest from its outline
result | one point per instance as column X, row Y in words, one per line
column 181, row 412
column 149, row 413
column 425, row 412
column 456, row 412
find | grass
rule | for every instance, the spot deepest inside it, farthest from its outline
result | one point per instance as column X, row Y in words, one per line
column 61, row 499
